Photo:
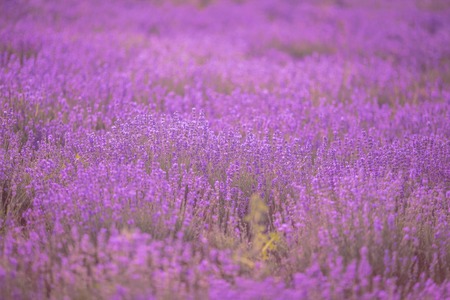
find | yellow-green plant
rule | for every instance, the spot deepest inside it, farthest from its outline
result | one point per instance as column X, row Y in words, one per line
column 262, row 242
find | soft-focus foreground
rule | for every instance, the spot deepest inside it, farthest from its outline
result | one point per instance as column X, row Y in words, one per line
column 224, row 149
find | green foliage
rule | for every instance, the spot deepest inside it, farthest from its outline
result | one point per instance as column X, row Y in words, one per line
column 262, row 242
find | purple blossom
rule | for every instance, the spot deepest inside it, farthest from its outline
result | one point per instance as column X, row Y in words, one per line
column 224, row 149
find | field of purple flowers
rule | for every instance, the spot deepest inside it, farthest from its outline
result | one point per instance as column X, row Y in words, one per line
column 218, row 149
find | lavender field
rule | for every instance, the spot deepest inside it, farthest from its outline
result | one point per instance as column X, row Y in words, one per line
column 220, row 149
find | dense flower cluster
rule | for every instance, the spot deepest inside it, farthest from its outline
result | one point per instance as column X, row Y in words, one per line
column 224, row 149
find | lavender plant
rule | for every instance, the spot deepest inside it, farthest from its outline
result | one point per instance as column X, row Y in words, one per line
column 224, row 149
